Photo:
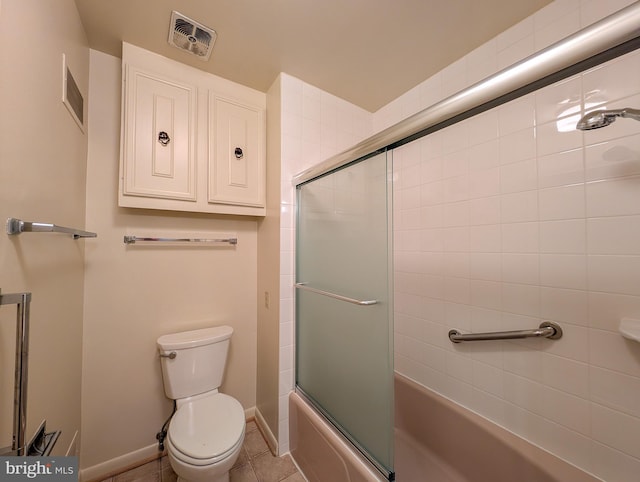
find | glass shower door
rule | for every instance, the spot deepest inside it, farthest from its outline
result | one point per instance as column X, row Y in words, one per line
column 344, row 361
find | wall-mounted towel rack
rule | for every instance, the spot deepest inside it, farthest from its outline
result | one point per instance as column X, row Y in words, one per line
column 547, row 329
column 195, row 241
column 17, row 226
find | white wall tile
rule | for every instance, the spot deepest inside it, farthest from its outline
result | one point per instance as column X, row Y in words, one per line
column 485, row 210
column 558, row 100
column 611, row 159
column 567, row 410
column 607, row 309
column 519, row 176
column 562, row 168
column 563, row 271
column 516, row 51
column 612, row 465
column 616, row 429
column 558, row 136
column 614, row 235
column 565, row 374
column 610, row 350
column 615, row 390
column 613, row 80
column 521, row 299
column 517, row 146
column 593, row 10
column 485, row 239
column 560, row 304
column 561, row 27
column 566, row 236
column 615, row 197
column 517, row 115
column 521, row 268
column 484, row 155
column 521, row 237
column 565, row 202
column 483, row 128
column 519, row 207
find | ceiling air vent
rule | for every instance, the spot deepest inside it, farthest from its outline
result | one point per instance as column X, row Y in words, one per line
column 195, row 38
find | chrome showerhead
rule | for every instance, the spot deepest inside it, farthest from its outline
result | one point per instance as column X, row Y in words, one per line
column 602, row 118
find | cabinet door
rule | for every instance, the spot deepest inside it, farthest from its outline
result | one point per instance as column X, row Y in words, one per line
column 159, row 149
column 236, row 171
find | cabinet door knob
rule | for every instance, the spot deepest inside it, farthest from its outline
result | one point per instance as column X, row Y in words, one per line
column 163, row 138
column 238, row 153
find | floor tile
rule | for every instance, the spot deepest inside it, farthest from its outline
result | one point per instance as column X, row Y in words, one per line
column 272, row 469
column 255, row 464
column 244, row 473
column 254, row 444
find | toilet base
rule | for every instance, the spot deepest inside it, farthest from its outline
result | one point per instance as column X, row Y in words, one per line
column 221, row 478
column 218, row 472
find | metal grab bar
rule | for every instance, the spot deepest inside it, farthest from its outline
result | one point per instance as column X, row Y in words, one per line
column 303, row 286
column 547, row 329
column 17, row 226
column 23, row 301
column 139, row 239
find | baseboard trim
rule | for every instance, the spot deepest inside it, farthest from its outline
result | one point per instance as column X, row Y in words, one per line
column 272, row 442
column 120, row 464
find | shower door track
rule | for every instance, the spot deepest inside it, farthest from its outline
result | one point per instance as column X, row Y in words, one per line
column 604, row 40
column 389, row 475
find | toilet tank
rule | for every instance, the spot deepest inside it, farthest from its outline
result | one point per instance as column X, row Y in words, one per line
column 198, row 365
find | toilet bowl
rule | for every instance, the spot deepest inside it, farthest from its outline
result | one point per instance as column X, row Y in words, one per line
column 206, row 432
column 205, row 437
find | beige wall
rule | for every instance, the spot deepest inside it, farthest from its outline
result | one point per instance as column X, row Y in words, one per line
column 135, row 294
column 42, row 178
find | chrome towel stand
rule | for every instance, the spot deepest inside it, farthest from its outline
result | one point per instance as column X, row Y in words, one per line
column 17, row 226
column 547, row 329
column 23, row 301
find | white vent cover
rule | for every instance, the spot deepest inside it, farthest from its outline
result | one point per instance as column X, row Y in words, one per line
column 189, row 35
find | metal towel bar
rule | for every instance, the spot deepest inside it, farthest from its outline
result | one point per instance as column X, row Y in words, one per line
column 547, row 329
column 202, row 241
column 303, row 286
column 17, row 226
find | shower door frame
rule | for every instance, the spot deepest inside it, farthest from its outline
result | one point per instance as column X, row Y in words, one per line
column 384, row 471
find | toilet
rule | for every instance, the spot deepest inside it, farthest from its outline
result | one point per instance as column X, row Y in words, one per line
column 206, row 432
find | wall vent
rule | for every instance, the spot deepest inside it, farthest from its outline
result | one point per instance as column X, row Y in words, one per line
column 71, row 95
column 191, row 36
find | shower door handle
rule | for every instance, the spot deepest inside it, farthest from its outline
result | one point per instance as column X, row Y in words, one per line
column 303, row 286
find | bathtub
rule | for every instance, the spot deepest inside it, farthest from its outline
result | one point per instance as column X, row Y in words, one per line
column 436, row 440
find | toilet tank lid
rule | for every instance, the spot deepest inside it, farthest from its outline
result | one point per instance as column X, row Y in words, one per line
column 194, row 338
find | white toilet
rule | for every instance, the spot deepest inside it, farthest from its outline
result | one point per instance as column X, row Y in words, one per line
column 206, row 433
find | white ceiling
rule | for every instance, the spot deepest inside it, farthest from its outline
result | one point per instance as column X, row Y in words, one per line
column 367, row 52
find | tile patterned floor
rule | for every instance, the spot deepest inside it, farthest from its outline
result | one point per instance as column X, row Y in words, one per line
column 255, row 464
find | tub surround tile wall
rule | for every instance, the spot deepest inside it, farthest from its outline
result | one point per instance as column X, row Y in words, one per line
column 505, row 220
column 523, row 219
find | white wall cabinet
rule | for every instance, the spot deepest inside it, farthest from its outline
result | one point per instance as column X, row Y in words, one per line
column 191, row 141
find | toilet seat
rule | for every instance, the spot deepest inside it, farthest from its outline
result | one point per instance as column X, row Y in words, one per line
column 207, row 430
